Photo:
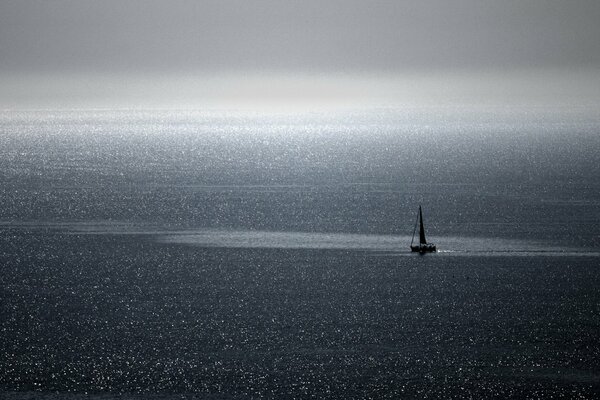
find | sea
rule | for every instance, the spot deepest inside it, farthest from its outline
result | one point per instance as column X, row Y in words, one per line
column 237, row 254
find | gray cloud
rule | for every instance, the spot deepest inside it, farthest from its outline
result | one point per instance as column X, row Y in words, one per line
column 309, row 35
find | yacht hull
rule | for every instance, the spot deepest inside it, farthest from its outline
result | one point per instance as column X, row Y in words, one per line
column 424, row 248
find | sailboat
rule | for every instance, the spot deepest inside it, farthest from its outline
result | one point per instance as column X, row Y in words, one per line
column 423, row 246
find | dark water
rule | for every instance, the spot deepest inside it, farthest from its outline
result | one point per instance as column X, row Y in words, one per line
column 236, row 255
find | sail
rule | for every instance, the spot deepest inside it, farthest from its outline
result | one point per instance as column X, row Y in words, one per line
column 423, row 246
column 421, row 228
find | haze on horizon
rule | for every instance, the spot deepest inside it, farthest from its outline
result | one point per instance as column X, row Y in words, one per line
column 69, row 53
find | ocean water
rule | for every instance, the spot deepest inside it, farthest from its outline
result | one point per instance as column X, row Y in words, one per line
column 233, row 255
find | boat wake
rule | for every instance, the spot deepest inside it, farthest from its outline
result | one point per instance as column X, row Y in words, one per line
column 378, row 245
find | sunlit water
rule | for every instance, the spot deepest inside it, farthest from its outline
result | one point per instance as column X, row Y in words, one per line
column 239, row 255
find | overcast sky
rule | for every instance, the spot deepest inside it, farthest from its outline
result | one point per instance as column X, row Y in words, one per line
column 240, row 37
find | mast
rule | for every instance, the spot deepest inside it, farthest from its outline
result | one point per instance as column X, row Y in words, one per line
column 421, row 228
column 414, row 230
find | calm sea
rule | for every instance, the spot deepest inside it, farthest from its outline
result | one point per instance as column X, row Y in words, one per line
column 233, row 255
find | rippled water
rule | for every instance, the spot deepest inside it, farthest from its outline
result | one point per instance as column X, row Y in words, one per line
column 230, row 255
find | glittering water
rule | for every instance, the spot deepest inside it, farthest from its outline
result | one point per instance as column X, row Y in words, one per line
column 231, row 255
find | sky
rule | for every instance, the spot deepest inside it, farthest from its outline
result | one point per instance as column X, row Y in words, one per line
column 236, row 52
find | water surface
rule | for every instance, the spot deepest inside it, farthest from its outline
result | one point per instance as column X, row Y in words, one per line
column 239, row 255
